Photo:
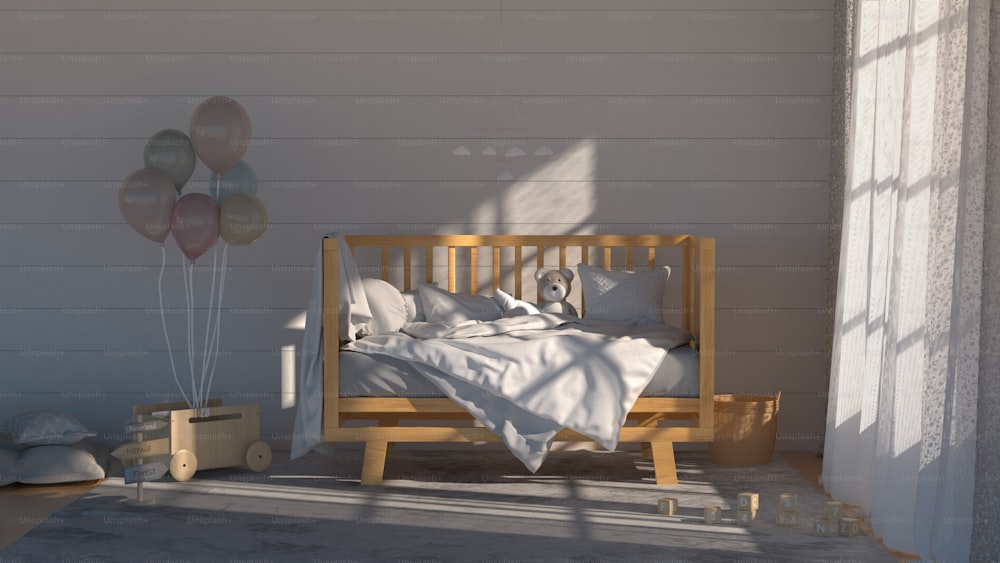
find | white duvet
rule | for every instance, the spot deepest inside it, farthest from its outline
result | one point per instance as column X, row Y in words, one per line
column 527, row 377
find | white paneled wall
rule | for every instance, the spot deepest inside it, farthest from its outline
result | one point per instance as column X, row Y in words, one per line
column 685, row 116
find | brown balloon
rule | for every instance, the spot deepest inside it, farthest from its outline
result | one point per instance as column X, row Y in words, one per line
column 146, row 201
column 242, row 219
column 220, row 132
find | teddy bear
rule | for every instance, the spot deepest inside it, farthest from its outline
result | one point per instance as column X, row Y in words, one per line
column 553, row 288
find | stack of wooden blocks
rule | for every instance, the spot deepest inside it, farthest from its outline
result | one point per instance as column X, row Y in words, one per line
column 833, row 522
column 746, row 509
column 788, row 510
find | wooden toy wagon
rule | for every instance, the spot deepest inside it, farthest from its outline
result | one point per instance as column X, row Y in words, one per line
column 194, row 439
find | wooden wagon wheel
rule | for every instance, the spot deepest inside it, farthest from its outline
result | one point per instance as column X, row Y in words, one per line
column 259, row 456
column 183, row 464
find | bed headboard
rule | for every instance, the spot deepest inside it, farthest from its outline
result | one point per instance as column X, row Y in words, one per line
column 413, row 258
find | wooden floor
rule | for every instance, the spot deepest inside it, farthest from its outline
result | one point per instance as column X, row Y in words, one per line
column 22, row 507
column 25, row 506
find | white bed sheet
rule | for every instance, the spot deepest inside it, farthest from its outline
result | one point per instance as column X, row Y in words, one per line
column 375, row 375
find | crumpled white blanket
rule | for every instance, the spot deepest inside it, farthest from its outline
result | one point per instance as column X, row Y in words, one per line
column 354, row 314
column 527, row 377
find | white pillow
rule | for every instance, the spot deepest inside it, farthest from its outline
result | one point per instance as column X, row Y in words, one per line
column 624, row 296
column 45, row 428
column 43, row 465
column 448, row 308
column 386, row 305
column 414, row 307
column 509, row 304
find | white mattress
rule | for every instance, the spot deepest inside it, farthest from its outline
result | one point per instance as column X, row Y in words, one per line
column 365, row 375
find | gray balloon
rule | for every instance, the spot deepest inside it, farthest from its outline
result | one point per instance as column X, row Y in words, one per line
column 171, row 152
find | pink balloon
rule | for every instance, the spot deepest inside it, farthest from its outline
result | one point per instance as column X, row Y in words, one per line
column 195, row 224
column 146, row 201
column 220, row 132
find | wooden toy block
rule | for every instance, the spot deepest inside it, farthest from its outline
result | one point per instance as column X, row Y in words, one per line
column 833, row 510
column 713, row 514
column 667, row 505
column 787, row 518
column 849, row 526
column 746, row 517
column 824, row 527
column 747, row 501
column 788, row 501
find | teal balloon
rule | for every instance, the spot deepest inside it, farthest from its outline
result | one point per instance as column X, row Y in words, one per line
column 171, row 152
column 239, row 179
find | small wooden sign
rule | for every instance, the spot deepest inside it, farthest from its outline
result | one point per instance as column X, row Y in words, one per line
column 135, row 450
column 145, row 472
column 146, row 426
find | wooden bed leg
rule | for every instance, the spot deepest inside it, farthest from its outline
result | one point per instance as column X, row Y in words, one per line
column 647, row 451
column 374, row 464
column 663, row 463
column 389, row 422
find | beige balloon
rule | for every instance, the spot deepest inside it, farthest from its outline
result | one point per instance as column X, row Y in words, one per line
column 242, row 219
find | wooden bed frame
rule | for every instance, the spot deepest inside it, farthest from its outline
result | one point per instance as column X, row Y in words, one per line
column 684, row 419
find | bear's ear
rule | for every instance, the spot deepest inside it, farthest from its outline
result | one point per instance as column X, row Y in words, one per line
column 540, row 274
column 567, row 273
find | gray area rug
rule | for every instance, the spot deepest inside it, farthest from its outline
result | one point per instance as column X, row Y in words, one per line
column 468, row 505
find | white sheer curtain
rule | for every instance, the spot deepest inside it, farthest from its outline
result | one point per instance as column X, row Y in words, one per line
column 901, row 425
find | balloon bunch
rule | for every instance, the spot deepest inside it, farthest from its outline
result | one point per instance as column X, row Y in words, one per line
column 150, row 202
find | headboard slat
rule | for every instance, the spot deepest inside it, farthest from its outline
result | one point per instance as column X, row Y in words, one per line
column 407, row 261
column 473, row 267
column 451, row 269
column 517, row 272
column 496, row 268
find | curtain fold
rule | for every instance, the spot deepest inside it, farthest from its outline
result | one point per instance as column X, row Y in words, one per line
column 901, row 422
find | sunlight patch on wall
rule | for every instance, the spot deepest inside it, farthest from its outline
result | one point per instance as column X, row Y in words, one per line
column 288, row 354
column 554, row 198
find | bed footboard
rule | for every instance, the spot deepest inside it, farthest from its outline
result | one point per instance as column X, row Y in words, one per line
column 405, row 259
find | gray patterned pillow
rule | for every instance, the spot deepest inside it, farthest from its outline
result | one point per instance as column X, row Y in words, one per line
column 45, row 428
column 624, row 296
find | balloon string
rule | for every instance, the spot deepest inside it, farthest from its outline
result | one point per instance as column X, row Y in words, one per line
column 208, row 324
column 166, row 334
column 218, row 317
column 187, row 270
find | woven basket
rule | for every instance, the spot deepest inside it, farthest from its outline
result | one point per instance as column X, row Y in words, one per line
column 746, row 427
